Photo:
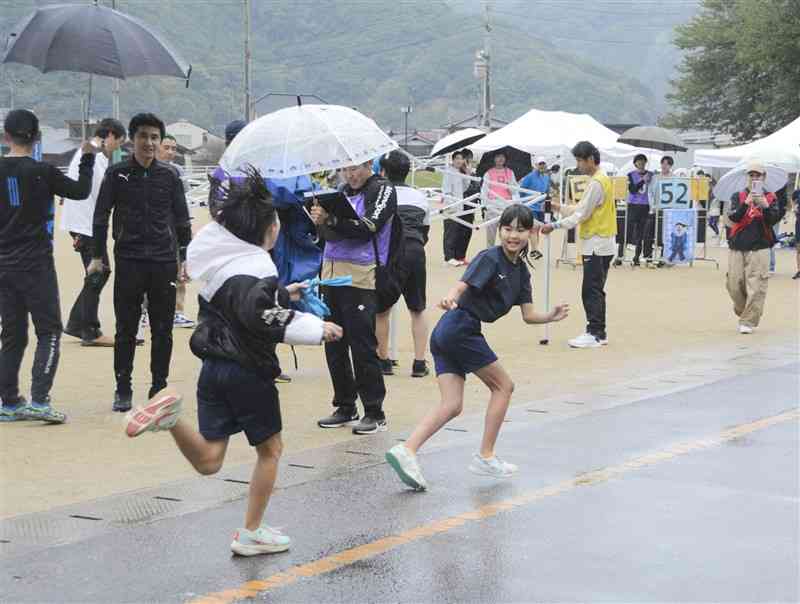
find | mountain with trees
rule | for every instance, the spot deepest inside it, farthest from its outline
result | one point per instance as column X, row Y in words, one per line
column 377, row 56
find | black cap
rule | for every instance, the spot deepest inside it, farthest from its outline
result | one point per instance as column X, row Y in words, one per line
column 22, row 125
column 232, row 129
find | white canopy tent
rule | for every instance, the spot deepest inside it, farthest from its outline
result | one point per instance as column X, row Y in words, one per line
column 781, row 149
column 554, row 133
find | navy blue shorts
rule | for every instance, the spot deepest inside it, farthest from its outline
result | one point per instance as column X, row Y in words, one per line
column 458, row 346
column 232, row 399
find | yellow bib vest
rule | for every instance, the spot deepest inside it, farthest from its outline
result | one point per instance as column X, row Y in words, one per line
column 603, row 221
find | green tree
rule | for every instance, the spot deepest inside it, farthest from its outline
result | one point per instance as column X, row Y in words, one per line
column 741, row 69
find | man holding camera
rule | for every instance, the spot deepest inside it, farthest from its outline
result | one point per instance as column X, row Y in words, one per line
column 753, row 212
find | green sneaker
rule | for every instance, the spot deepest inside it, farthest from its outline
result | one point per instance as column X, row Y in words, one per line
column 43, row 412
column 11, row 413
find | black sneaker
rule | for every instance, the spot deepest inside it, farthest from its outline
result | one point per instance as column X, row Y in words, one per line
column 122, row 402
column 637, row 262
column 370, row 425
column 419, row 369
column 796, row 275
column 618, row 262
column 343, row 416
column 386, row 366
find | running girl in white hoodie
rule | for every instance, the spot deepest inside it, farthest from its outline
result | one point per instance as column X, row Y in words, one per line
column 243, row 315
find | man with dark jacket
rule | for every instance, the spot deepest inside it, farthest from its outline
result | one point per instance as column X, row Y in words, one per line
column 752, row 214
column 354, row 247
column 151, row 229
column 414, row 212
column 28, row 283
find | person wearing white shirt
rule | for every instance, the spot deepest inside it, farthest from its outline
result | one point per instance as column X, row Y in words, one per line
column 76, row 218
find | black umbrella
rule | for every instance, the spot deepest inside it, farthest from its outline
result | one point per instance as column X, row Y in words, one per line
column 652, row 137
column 518, row 161
column 91, row 39
column 456, row 141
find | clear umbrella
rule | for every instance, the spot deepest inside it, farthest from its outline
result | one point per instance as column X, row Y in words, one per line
column 305, row 139
column 736, row 180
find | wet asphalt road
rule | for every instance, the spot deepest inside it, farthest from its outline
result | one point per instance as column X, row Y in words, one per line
column 719, row 523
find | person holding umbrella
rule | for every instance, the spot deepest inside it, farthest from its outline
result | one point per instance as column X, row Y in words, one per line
column 151, row 229
column 638, row 210
column 28, row 281
column 753, row 213
column 356, row 247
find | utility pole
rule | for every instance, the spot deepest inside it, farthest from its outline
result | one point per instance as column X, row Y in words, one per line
column 248, row 109
column 114, row 84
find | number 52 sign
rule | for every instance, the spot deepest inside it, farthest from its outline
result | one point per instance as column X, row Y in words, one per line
column 674, row 193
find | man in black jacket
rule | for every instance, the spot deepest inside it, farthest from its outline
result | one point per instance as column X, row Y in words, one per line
column 752, row 214
column 151, row 229
column 28, row 283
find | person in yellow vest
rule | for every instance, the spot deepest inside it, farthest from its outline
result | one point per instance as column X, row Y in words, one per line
column 597, row 216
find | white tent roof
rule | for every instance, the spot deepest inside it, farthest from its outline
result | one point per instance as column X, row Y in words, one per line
column 781, row 148
column 554, row 133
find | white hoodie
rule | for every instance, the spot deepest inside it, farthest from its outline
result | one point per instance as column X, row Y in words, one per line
column 215, row 255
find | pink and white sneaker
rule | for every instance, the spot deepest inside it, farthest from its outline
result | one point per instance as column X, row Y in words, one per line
column 160, row 413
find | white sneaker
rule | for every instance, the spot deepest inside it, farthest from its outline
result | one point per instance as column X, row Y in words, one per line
column 586, row 340
column 160, row 413
column 453, row 262
column 745, row 329
column 263, row 540
column 404, row 462
column 494, row 467
column 181, row 320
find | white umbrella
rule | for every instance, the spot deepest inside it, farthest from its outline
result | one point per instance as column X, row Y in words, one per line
column 736, row 180
column 305, row 139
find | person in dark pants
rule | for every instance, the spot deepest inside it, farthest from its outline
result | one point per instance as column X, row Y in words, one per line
column 455, row 185
column 76, row 218
column 638, row 211
column 28, row 283
column 352, row 247
column 151, row 229
column 596, row 213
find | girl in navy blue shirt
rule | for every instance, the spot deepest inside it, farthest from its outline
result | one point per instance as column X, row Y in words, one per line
column 496, row 280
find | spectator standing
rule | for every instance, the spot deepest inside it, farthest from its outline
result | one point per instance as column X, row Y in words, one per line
column 28, row 282
column 166, row 153
column 151, row 230
column 539, row 179
column 456, row 236
column 353, row 247
column 796, row 200
column 639, row 181
column 76, row 218
column 650, row 236
column 495, row 189
column 597, row 215
column 752, row 216
column 414, row 211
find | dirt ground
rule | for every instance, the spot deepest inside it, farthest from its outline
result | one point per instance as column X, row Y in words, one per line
column 654, row 318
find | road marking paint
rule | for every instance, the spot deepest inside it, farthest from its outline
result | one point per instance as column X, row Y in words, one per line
column 350, row 556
